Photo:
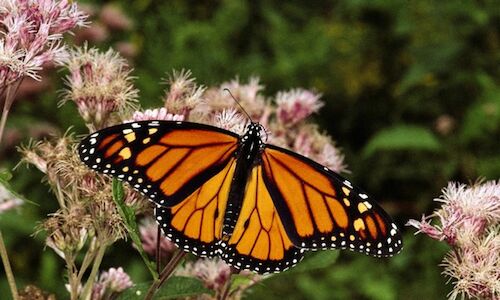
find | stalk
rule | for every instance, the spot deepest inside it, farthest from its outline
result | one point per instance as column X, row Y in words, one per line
column 165, row 274
column 87, row 290
column 8, row 269
column 10, row 93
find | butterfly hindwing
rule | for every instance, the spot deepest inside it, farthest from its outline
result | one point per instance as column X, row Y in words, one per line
column 259, row 241
column 321, row 210
column 165, row 160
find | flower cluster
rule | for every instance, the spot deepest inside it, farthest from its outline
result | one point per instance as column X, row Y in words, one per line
column 284, row 116
column 110, row 283
column 214, row 273
column 216, row 276
column 100, row 84
column 32, row 34
column 87, row 219
column 155, row 114
column 469, row 221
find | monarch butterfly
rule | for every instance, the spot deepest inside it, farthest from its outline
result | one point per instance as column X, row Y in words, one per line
column 255, row 205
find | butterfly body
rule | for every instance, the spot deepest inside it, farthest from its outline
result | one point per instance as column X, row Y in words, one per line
column 249, row 149
column 255, row 205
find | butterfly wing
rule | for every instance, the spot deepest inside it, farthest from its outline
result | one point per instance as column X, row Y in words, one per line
column 321, row 210
column 195, row 224
column 165, row 160
column 259, row 241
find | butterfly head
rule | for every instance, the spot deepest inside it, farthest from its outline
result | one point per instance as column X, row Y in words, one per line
column 255, row 131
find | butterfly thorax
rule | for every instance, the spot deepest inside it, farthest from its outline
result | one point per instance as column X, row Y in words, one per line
column 251, row 143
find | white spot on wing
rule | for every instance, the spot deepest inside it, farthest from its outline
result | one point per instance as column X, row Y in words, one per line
column 348, row 183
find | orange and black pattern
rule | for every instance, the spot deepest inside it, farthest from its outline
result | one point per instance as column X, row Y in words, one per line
column 257, row 206
column 324, row 210
column 158, row 160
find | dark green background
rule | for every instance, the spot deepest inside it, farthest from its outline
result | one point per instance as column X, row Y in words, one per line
column 390, row 72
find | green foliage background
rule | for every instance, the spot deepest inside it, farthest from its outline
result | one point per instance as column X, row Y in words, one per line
column 391, row 73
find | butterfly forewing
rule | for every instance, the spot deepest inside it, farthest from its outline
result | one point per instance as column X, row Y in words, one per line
column 321, row 210
column 195, row 224
column 167, row 161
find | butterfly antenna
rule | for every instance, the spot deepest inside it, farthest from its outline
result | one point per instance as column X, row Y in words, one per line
column 227, row 90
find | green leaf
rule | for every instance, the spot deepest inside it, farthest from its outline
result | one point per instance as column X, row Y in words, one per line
column 175, row 287
column 482, row 119
column 128, row 215
column 402, row 137
column 5, row 175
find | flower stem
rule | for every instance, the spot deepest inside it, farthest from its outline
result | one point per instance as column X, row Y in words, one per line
column 89, row 256
column 225, row 290
column 165, row 274
column 87, row 290
column 73, row 282
column 10, row 93
column 8, row 269
column 158, row 252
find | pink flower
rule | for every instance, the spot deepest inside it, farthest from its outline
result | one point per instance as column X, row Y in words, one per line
column 155, row 114
column 114, row 18
column 247, row 94
column 32, row 35
column 475, row 271
column 110, row 283
column 468, row 221
column 244, row 92
column 296, row 105
column 214, row 272
column 466, row 212
column 149, row 234
column 424, row 226
column 100, row 84
column 230, row 119
column 183, row 94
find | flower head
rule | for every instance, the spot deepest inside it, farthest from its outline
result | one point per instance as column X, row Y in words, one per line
column 230, row 119
column 149, row 233
column 214, row 272
column 468, row 221
column 183, row 94
column 296, row 105
column 32, row 35
column 67, row 230
column 466, row 213
column 248, row 94
column 110, row 283
column 155, row 114
column 100, row 84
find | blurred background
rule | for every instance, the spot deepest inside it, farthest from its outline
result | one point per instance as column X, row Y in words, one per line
column 411, row 92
